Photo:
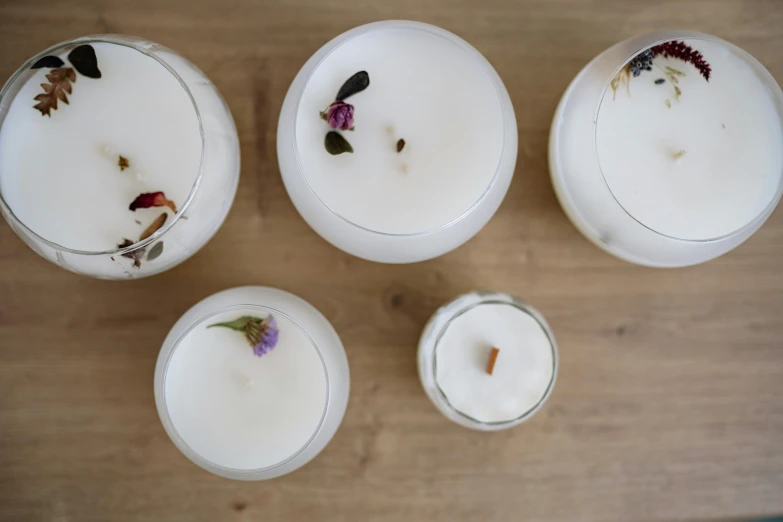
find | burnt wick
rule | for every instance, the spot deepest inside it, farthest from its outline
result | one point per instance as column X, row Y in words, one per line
column 123, row 163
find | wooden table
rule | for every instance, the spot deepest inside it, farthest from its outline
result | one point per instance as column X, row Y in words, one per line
column 669, row 402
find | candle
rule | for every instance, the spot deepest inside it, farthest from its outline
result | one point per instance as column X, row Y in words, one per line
column 118, row 158
column 487, row 361
column 415, row 159
column 251, row 383
column 667, row 149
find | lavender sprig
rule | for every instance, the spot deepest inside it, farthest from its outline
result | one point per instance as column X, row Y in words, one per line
column 262, row 334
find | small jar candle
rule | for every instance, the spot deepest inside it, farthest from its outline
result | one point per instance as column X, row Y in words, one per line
column 118, row 158
column 251, row 383
column 667, row 149
column 397, row 141
column 487, row 361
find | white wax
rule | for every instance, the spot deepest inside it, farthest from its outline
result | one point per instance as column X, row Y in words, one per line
column 523, row 369
column 238, row 410
column 60, row 174
column 424, row 89
column 702, row 167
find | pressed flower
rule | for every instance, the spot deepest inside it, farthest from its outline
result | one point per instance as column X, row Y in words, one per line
column 152, row 199
column 262, row 334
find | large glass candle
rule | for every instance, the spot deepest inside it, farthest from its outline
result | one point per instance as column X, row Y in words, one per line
column 118, row 157
column 667, row 149
column 487, row 361
column 397, row 141
column 251, row 383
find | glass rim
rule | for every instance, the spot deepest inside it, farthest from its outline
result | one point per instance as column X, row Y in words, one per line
column 130, row 42
column 180, row 442
column 465, row 46
column 771, row 86
column 510, row 300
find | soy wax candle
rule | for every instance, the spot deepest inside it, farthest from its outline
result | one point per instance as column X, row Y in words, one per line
column 251, row 383
column 397, row 141
column 667, row 149
column 108, row 144
column 487, row 361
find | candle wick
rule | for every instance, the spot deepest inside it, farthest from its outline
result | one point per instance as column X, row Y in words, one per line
column 493, row 357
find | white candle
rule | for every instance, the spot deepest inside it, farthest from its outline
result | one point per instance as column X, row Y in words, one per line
column 453, row 124
column 675, row 165
column 69, row 174
column 471, row 385
column 241, row 413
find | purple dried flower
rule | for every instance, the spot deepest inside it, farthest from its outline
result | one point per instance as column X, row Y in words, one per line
column 262, row 334
column 339, row 115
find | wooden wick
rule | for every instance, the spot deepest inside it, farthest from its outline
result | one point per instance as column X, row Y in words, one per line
column 493, row 356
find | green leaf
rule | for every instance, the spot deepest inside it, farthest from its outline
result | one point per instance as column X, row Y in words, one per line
column 155, row 251
column 335, row 143
column 237, row 324
column 356, row 83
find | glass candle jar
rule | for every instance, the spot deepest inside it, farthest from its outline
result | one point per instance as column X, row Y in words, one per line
column 411, row 161
column 487, row 361
column 667, row 149
column 251, row 400
column 118, row 158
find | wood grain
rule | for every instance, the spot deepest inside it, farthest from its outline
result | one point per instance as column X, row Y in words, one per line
column 668, row 403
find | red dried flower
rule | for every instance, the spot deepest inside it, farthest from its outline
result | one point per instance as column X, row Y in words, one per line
column 152, row 199
column 684, row 52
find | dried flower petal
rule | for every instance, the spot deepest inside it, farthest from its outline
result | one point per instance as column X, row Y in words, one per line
column 152, row 199
column 154, row 227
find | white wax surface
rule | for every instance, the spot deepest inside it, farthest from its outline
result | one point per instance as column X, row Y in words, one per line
column 60, row 175
column 242, row 411
column 424, row 89
column 523, row 369
column 730, row 134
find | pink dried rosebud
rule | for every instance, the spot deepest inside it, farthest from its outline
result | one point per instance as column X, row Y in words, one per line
column 152, row 199
column 340, row 115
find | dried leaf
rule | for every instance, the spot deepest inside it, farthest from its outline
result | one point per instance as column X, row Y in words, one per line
column 668, row 104
column 48, row 61
column 155, row 251
column 84, row 60
column 154, row 227
column 135, row 255
column 60, row 86
column 355, row 84
column 335, row 143
column 152, row 199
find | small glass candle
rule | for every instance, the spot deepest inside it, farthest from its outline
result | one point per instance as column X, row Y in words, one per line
column 667, row 149
column 432, row 136
column 487, row 361
column 118, row 158
column 251, row 383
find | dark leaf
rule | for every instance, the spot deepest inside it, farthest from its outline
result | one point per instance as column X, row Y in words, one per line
column 237, row 324
column 400, row 145
column 154, row 227
column 155, row 251
column 356, row 83
column 84, row 60
column 335, row 143
column 48, row 61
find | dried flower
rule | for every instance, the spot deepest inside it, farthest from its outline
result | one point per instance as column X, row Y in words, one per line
column 135, row 255
column 123, row 163
column 340, row 115
column 641, row 62
column 152, row 199
column 262, row 334
column 684, row 52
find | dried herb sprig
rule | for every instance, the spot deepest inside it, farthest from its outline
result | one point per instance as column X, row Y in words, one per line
column 60, row 78
column 262, row 334
column 684, row 52
column 340, row 115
